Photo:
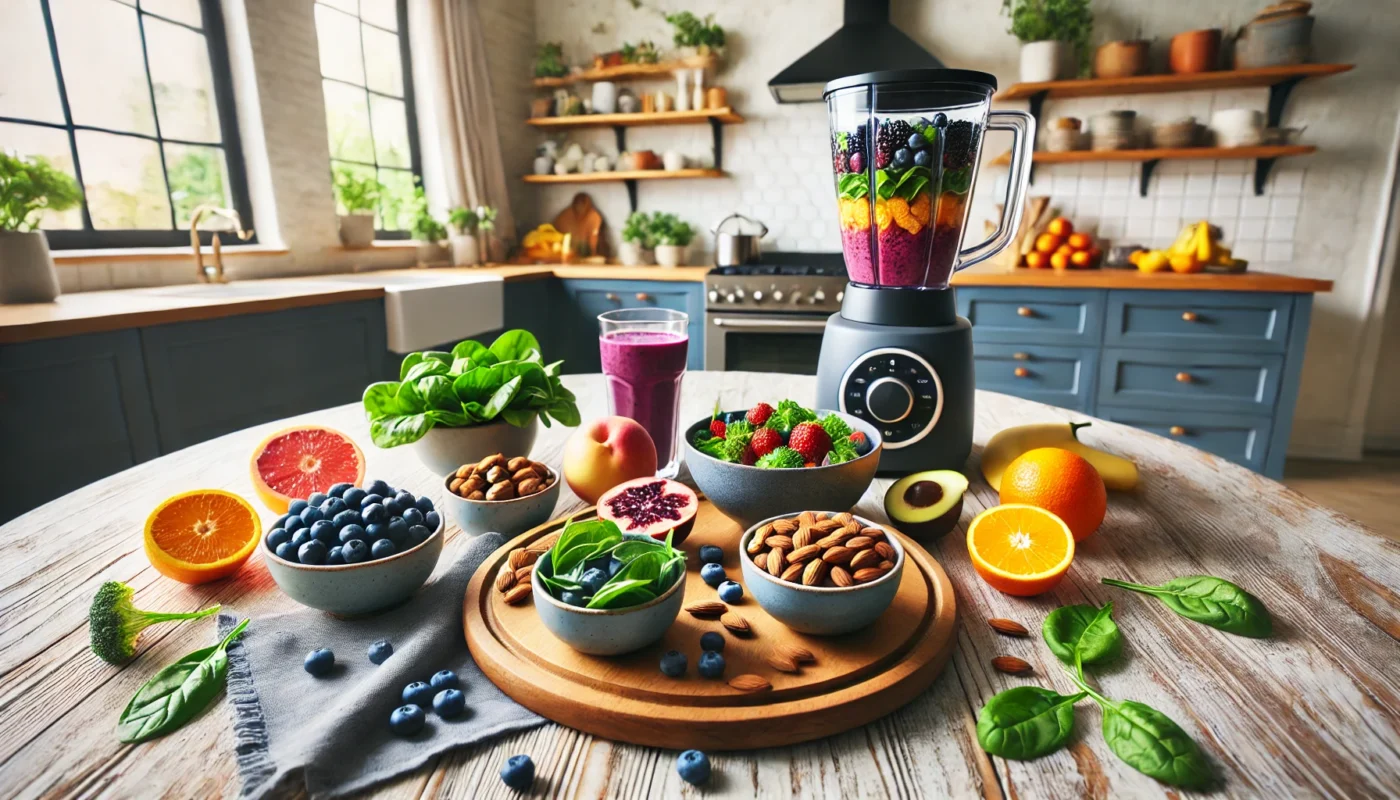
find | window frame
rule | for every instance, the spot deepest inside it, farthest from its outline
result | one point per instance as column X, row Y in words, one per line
column 230, row 143
column 410, row 107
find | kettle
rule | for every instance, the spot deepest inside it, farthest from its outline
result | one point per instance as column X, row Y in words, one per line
column 733, row 249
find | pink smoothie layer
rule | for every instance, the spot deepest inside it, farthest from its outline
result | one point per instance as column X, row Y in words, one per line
column 856, row 246
column 644, row 372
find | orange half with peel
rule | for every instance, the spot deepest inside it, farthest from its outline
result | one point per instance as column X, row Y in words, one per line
column 201, row 536
column 1020, row 549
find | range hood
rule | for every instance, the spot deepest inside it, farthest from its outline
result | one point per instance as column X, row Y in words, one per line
column 865, row 42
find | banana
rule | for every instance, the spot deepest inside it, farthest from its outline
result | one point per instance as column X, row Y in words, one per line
column 1204, row 244
column 1118, row 473
column 1185, row 241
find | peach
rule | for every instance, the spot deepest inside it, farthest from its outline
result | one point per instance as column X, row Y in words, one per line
column 606, row 452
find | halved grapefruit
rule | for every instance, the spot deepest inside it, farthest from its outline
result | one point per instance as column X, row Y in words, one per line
column 200, row 536
column 293, row 463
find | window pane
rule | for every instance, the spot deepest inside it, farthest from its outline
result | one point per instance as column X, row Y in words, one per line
column 186, row 11
column 183, row 81
column 100, row 48
column 51, row 143
column 358, row 170
column 390, row 132
column 197, row 176
column 31, row 92
column 347, row 121
column 396, row 203
column 348, row 6
column 383, row 62
column 125, row 188
column 338, row 36
column 384, row 13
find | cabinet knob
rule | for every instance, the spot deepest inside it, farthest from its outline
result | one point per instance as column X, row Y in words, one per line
column 612, row 297
column 1022, row 372
column 643, row 297
column 1021, row 356
column 1183, row 377
column 1177, row 430
column 1189, row 316
column 1025, row 311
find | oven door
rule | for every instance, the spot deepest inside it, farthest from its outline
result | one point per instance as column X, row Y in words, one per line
column 763, row 343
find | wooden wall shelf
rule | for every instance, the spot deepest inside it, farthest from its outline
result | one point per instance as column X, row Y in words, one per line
column 624, row 72
column 626, row 175
column 1154, row 84
column 724, row 116
column 1263, row 156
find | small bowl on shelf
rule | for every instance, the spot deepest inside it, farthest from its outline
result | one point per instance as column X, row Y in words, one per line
column 1180, row 133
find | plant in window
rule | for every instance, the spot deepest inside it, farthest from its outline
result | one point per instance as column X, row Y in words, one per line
column 359, row 194
column 672, row 236
column 463, row 220
column 549, row 60
column 1048, row 30
column 29, row 186
column 638, row 239
column 691, row 31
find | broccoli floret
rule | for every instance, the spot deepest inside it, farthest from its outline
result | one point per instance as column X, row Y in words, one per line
column 841, row 451
column 786, row 415
column 835, row 427
column 781, row 458
column 114, row 623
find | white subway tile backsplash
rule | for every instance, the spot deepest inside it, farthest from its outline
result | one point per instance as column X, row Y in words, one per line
column 1169, row 184
column 1252, row 207
column 1250, row 229
column 1285, row 205
column 1282, row 228
column 1286, row 181
column 1198, row 185
column 1223, row 205
column 1278, row 252
column 1229, row 183
column 1138, row 227
column 1169, row 206
column 1249, row 249
column 1195, row 207
column 1165, row 228
column 1113, row 229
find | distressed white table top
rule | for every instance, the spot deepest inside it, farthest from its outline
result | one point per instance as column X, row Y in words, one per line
column 1314, row 711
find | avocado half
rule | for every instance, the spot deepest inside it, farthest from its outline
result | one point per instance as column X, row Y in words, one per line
column 926, row 505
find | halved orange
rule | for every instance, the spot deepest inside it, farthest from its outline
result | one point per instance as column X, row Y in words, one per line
column 1020, row 549
column 294, row 463
column 203, row 535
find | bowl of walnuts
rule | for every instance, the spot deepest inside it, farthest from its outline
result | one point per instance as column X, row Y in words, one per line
column 505, row 495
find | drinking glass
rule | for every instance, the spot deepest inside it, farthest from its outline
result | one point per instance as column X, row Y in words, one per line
column 644, row 354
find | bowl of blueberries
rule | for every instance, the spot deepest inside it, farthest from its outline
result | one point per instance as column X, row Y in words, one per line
column 353, row 550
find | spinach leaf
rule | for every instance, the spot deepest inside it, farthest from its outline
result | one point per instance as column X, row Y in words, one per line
column 408, row 399
column 436, row 391
column 582, row 541
column 515, row 345
column 502, row 398
column 473, row 352
column 622, row 594
column 1210, row 601
column 521, row 418
column 558, row 585
column 394, row 431
column 958, row 181
column 177, row 693
column 853, row 186
column 476, row 386
column 1026, row 722
column 437, row 355
column 646, row 566
column 428, row 366
column 379, row 399
column 1082, row 634
column 409, row 362
column 448, row 419
column 565, row 412
column 630, row 549
column 1151, row 743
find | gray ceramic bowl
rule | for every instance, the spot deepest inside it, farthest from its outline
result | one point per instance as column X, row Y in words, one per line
column 825, row 611
column 510, row 517
column 749, row 494
column 611, row 632
column 353, row 589
column 443, row 450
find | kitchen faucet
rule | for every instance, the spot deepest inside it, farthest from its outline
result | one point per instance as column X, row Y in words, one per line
column 215, row 272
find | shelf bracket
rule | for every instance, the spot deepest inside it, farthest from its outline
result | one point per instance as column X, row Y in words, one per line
column 1037, row 105
column 1146, row 176
column 631, row 194
column 1262, row 166
column 717, row 133
column 1278, row 98
column 620, row 131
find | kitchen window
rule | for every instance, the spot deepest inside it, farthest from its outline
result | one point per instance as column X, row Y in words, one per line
column 132, row 99
column 370, row 116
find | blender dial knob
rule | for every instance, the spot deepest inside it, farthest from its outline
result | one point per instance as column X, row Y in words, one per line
column 889, row 400
column 778, row 295
column 757, row 296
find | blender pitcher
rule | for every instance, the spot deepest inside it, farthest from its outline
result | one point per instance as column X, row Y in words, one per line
column 905, row 147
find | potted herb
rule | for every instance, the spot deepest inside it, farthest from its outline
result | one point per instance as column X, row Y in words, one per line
column 29, row 186
column 465, row 250
column 459, row 407
column 549, row 60
column 486, row 223
column 695, row 35
column 358, row 195
column 1053, row 34
column 429, row 232
column 672, row 238
column 637, row 241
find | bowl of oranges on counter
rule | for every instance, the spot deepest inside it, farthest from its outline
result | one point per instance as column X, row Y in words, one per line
column 1061, row 247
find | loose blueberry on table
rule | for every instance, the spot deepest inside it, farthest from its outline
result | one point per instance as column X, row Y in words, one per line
column 319, row 662
column 712, row 642
column 449, row 703
column 710, row 554
column 518, row 773
column 418, row 693
column 673, row 663
column 380, row 651
column 731, row 592
column 445, row 679
column 693, row 766
column 710, row 665
column 713, row 575
column 407, row 720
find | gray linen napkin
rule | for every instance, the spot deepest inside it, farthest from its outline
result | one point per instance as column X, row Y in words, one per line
column 336, row 729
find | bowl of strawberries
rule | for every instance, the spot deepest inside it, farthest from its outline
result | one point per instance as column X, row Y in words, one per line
column 767, row 460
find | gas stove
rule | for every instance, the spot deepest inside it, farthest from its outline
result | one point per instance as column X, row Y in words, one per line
column 782, row 283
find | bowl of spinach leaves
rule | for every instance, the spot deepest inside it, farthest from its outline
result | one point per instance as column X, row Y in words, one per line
column 604, row 592
column 459, row 407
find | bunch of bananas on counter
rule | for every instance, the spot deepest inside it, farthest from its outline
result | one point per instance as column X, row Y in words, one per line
column 1196, row 247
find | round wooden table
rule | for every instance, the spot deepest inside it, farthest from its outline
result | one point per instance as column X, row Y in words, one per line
column 1313, row 711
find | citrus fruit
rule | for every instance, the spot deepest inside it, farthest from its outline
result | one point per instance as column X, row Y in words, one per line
column 202, row 535
column 1059, row 226
column 1060, row 482
column 1020, row 549
column 1047, row 243
column 293, row 463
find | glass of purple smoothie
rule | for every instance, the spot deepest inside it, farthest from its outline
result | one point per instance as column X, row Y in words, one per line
column 644, row 353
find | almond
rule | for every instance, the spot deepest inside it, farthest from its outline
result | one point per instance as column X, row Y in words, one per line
column 806, row 518
column 759, row 537
column 841, row 577
column 528, row 486
column 1008, row 627
column 838, row 555
column 886, row 565
column 750, row 683
column 505, row 578
column 865, row 558
column 831, row 541
column 522, row 575
column 501, row 491
column 1012, row 665
column 868, row 574
column 859, row 542
column 519, row 558
column 455, row 485
column 710, row 608
column 735, row 623
column 518, row 594
column 776, row 561
column 785, row 526
column 843, row 518
column 779, row 540
column 541, row 469
column 523, row 474
column 781, row 663
column 885, row 550
column 543, row 545
column 826, row 526
column 490, row 461
column 518, row 463
column 874, row 533
column 851, row 528
column 801, row 655
column 793, row 573
column 814, row 573
column 804, row 553
column 465, row 471
column 803, row 537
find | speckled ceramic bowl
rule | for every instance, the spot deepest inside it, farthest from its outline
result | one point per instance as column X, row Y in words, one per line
column 510, row 517
column 825, row 611
column 748, row 494
column 444, row 449
column 363, row 588
column 607, row 632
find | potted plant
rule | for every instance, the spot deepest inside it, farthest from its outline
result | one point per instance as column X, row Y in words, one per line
column 694, row 35
column 1054, row 36
column 29, row 186
column 358, row 196
column 429, row 232
column 465, row 250
column 486, row 223
column 549, row 60
column 637, row 240
column 672, row 238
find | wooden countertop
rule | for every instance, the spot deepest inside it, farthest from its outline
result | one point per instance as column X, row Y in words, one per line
column 995, row 275
column 1312, row 710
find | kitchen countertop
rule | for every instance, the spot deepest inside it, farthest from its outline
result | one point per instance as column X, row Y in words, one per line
column 1313, row 710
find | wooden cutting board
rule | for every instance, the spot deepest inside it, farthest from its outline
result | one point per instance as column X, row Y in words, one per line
column 855, row 679
column 583, row 221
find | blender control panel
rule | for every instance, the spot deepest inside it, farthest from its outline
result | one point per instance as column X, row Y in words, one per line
column 895, row 390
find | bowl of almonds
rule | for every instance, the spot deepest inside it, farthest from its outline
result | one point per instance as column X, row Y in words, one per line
column 821, row 573
column 505, row 495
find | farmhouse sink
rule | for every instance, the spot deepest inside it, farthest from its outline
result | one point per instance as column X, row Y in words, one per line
column 234, row 290
column 425, row 310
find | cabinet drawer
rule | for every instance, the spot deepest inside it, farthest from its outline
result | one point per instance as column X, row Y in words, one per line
column 1043, row 316
column 1179, row 379
column 1244, row 439
column 1235, row 321
column 1059, row 376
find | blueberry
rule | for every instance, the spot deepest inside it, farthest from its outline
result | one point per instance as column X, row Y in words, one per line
column 593, row 580
column 731, row 592
column 398, row 532
column 347, row 517
column 312, row 514
column 392, row 507
column 352, row 497
column 405, row 498
column 336, row 555
column 902, row 157
column 712, row 574
column 444, row 679
column 380, row 488
column 449, row 703
column 376, row 531
column 407, row 720
column 922, row 159
column 412, row 516
column 301, row 537
column 940, row 120
column 432, row 520
column 294, row 524
column 917, row 141
column 673, row 663
column 369, row 500
column 332, row 507
column 424, row 503
column 734, row 416
column 282, row 521
column 297, row 506
column 693, row 766
column 354, row 551
column 323, row 530
column 712, row 642
column 519, row 773
column 313, row 552
column 382, row 548
column 573, row 599
column 710, row 554
column 597, row 563
column 418, row 693
column 710, row 665
column 317, row 498
column 319, row 662
column 615, row 566
column 352, row 532
column 418, row 534
column 287, row 551
column 375, row 512
column 277, row 536
column 340, row 489
column 380, row 651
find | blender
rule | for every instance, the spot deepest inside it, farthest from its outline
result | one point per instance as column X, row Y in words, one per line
column 905, row 147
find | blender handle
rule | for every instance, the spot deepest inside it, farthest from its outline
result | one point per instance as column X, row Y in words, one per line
column 1022, row 127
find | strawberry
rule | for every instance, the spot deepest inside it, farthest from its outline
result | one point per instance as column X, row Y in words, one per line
column 811, row 440
column 748, row 457
column 717, row 428
column 759, row 414
column 765, row 441
column 861, row 443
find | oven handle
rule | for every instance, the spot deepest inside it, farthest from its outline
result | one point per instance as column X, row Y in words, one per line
column 723, row 322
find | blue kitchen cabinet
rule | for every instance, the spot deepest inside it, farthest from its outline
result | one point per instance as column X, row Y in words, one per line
column 1059, row 376
column 583, row 300
column 1044, row 316
column 1242, row 438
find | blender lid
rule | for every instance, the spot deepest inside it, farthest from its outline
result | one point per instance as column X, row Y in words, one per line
column 913, row 78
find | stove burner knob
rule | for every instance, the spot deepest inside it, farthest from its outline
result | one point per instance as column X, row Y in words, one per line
column 840, row 296
column 889, row 399
column 730, row 298
column 796, row 297
column 739, row 293
column 818, row 296
column 777, row 295
column 757, row 296
column 714, row 296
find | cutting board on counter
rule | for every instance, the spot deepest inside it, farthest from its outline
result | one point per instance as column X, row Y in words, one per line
column 583, row 221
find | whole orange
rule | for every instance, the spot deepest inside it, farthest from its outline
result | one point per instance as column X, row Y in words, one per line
column 1080, row 258
column 1048, row 243
column 1037, row 260
column 1080, row 241
column 1060, row 482
column 1060, row 260
column 1060, row 227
